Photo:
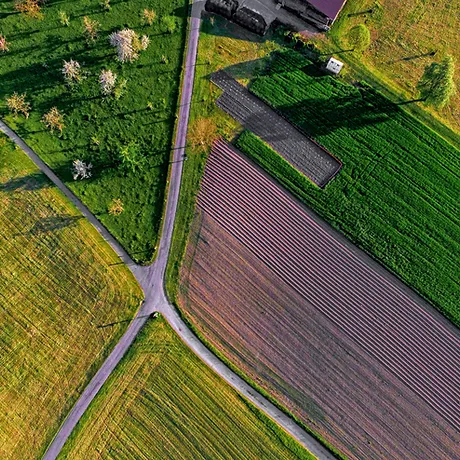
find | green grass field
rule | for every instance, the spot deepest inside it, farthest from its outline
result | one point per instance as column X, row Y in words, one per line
column 59, row 281
column 163, row 402
column 97, row 127
column 403, row 34
column 397, row 193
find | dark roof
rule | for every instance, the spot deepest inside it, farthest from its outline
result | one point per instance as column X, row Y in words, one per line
column 330, row 8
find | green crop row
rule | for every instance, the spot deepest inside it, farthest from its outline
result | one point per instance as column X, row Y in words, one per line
column 397, row 193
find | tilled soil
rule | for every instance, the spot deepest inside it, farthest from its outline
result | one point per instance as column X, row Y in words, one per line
column 317, row 323
column 303, row 153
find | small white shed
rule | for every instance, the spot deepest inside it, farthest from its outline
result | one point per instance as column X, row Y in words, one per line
column 334, row 66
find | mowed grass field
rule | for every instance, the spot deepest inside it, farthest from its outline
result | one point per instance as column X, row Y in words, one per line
column 397, row 193
column 163, row 402
column 97, row 128
column 403, row 33
column 59, row 281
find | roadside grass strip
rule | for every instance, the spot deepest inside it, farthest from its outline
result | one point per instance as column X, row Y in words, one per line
column 59, row 281
column 162, row 401
column 98, row 128
column 397, row 193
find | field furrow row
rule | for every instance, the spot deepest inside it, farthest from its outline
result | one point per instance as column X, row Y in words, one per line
column 413, row 342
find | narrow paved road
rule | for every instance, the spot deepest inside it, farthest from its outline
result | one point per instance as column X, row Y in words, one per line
column 152, row 279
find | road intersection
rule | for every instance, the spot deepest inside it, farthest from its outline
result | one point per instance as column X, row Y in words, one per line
column 151, row 278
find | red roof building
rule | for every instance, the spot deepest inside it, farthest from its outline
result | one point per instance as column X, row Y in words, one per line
column 330, row 8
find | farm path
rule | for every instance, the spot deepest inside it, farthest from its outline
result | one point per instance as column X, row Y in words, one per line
column 151, row 278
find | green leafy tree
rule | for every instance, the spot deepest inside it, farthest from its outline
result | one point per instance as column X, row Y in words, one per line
column 437, row 85
column 131, row 157
column 169, row 24
column 359, row 38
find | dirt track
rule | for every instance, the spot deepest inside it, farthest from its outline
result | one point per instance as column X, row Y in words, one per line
column 328, row 332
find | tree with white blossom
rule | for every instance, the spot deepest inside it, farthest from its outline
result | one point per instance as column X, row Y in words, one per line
column 107, row 80
column 128, row 44
column 81, row 170
column 71, row 71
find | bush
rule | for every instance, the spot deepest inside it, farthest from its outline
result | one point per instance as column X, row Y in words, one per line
column 359, row 38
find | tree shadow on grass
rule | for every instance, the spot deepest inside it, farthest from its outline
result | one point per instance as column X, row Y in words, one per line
column 31, row 182
column 53, row 224
column 320, row 117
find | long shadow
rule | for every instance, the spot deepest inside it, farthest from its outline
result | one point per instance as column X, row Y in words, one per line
column 412, row 58
column 53, row 224
column 31, row 182
column 319, row 117
column 10, row 13
column 102, row 326
column 221, row 27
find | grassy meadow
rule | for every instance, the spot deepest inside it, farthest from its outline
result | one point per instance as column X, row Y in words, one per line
column 397, row 193
column 163, row 402
column 98, row 128
column 403, row 36
column 59, row 281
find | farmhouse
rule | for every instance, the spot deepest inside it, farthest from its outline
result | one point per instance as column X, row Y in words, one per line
column 322, row 13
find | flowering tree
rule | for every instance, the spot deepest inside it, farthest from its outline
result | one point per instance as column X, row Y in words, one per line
column 128, row 44
column 29, row 8
column 71, row 71
column 81, row 170
column 91, row 28
column 145, row 42
column 53, row 120
column 4, row 45
column 120, row 88
column 116, row 207
column 105, row 4
column 149, row 16
column 107, row 80
column 17, row 104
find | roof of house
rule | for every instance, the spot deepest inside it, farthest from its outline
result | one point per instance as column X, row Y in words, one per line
column 330, row 8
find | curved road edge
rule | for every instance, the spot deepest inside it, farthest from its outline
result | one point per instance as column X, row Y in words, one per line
column 152, row 281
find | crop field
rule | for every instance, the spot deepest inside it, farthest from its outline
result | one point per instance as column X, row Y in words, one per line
column 404, row 34
column 397, row 193
column 288, row 141
column 99, row 128
column 163, row 402
column 315, row 322
column 59, row 281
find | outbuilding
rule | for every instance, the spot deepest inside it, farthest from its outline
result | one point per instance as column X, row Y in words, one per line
column 334, row 66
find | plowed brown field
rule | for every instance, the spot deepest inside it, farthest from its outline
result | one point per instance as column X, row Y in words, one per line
column 317, row 323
